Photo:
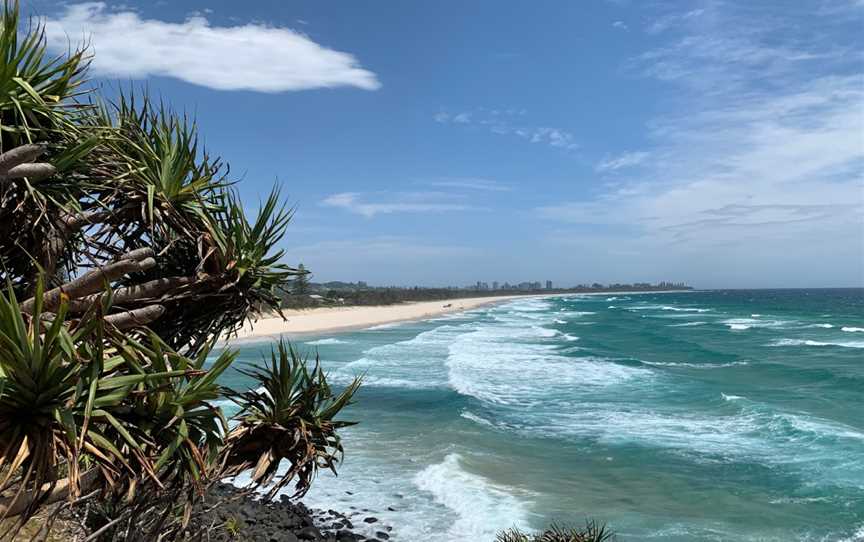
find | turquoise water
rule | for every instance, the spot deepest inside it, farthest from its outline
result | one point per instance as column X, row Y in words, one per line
column 723, row 415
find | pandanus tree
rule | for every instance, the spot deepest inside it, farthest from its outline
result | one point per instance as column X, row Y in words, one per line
column 125, row 254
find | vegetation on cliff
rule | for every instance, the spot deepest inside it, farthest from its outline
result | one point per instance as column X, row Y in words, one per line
column 124, row 254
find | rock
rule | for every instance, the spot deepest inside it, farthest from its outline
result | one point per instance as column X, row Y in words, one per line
column 346, row 536
column 309, row 533
column 279, row 521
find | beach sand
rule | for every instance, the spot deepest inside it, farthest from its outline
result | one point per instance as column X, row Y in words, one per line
column 331, row 319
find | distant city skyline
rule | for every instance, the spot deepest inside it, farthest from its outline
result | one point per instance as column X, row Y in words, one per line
column 496, row 285
column 715, row 142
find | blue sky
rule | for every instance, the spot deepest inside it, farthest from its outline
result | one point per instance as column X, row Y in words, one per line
column 715, row 142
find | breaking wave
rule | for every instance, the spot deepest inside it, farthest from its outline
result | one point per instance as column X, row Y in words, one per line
column 321, row 342
column 481, row 507
column 808, row 342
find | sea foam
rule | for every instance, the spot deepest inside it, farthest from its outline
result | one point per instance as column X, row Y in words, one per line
column 857, row 536
column 321, row 342
column 695, row 365
column 741, row 324
column 481, row 508
column 808, row 342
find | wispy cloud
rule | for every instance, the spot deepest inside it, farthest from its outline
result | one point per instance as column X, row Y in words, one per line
column 510, row 122
column 665, row 22
column 469, row 183
column 723, row 47
column 620, row 25
column 769, row 160
column 371, row 205
column 254, row 57
column 624, row 160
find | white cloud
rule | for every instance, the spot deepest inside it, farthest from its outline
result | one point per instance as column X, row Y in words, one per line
column 767, row 160
column 620, row 25
column 462, row 118
column 406, row 202
column 762, row 173
column 663, row 23
column 625, row 160
column 254, row 57
column 507, row 122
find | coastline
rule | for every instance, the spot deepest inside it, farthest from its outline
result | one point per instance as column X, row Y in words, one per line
column 348, row 318
column 340, row 319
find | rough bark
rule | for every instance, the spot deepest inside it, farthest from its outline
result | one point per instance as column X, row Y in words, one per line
column 19, row 155
column 34, row 172
column 149, row 290
column 95, row 280
column 11, row 507
column 135, row 318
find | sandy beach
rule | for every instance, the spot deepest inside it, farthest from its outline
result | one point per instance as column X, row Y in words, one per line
column 330, row 319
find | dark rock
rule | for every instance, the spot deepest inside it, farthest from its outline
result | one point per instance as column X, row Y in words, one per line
column 346, row 536
column 309, row 533
column 277, row 521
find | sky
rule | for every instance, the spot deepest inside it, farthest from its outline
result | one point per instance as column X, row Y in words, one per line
column 720, row 143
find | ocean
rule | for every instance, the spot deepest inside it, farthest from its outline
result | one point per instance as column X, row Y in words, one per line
column 707, row 415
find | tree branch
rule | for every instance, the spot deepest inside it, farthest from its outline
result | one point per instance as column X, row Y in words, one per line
column 149, row 290
column 22, row 154
column 34, row 172
column 95, row 280
column 135, row 318
column 11, row 507
column 68, row 225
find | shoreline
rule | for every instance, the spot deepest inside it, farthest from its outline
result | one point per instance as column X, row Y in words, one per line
column 343, row 319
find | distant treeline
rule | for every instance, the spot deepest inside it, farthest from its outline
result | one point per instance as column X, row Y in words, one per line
column 346, row 293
